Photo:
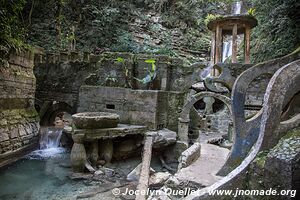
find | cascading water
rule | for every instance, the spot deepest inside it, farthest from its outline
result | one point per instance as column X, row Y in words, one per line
column 49, row 143
column 227, row 50
column 237, row 7
column 50, row 138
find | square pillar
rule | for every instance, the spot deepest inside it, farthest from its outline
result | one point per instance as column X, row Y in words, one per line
column 234, row 44
column 247, row 44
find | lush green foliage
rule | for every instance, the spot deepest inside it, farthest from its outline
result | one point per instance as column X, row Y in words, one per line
column 12, row 31
column 278, row 32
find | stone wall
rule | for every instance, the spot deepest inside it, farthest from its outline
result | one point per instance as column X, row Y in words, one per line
column 18, row 118
column 60, row 76
column 153, row 108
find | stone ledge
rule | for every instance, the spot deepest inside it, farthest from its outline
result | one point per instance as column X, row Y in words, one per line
column 120, row 131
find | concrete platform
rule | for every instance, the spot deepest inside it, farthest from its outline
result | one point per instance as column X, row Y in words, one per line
column 108, row 133
column 203, row 170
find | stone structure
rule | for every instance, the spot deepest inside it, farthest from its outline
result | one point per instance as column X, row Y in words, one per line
column 154, row 108
column 248, row 129
column 232, row 25
column 18, row 118
column 60, row 76
column 82, row 136
column 268, row 123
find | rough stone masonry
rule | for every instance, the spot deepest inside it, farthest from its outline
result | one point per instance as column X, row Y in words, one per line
column 18, row 118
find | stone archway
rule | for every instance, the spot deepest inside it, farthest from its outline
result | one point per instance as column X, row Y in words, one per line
column 53, row 109
column 183, row 120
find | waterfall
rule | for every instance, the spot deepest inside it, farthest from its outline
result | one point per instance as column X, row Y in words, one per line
column 49, row 144
column 237, row 7
column 50, row 137
column 227, row 50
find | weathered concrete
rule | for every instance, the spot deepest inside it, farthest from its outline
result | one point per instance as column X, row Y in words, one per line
column 184, row 115
column 145, row 169
column 81, row 136
column 189, row 156
column 287, row 81
column 247, row 130
column 203, row 171
column 60, row 75
column 18, row 118
column 95, row 120
column 162, row 138
column 153, row 108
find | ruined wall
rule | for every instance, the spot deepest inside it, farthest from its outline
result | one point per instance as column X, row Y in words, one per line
column 153, row 108
column 18, row 117
column 60, row 76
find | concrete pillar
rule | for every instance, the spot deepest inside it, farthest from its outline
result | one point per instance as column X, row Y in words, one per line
column 247, row 45
column 218, row 54
column 234, row 44
column 78, row 153
column 94, row 153
column 183, row 130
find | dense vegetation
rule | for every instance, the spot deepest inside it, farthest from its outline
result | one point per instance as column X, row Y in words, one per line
column 278, row 32
column 12, row 30
column 171, row 27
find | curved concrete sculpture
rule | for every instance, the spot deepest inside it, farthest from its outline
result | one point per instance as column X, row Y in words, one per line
column 281, row 88
column 183, row 124
column 225, row 78
column 247, row 131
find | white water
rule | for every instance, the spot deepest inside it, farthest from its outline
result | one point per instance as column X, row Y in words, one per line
column 237, row 7
column 227, row 50
column 49, row 144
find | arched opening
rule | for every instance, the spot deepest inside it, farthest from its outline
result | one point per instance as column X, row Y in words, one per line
column 209, row 121
column 58, row 113
column 203, row 117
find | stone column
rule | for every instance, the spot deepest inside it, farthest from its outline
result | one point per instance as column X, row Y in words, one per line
column 218, row 55
column 247, row 44
column 94, row 153
column 78, row 153
column 107, row 150
column 183, row 128
column 213, row 44
column 234, row 43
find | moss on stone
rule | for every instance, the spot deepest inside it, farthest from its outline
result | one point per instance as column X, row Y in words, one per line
column 261, row 158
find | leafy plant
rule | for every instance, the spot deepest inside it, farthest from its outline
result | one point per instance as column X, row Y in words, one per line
column 120, row 60
column 251, row 12
column 211, row 17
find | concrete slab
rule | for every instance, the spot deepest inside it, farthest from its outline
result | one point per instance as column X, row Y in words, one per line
column 203, row 170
